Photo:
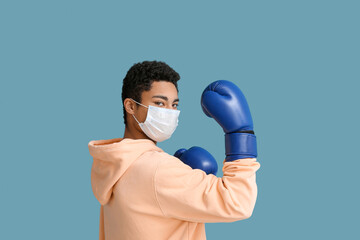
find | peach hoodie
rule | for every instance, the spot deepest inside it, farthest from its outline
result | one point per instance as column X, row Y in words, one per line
column 146, row 193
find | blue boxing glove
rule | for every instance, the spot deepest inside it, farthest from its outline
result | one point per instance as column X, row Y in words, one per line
column 224, row 101
column 198, row 158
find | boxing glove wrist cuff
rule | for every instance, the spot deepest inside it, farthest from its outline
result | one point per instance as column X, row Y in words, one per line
column 240, row 145
column 245, row 131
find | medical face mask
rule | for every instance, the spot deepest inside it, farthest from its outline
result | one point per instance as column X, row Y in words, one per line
column 160, row 123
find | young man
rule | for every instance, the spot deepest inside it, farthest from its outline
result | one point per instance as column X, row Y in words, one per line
column 146, row 193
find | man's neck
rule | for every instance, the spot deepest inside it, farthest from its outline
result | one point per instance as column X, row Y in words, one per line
column 134, row 134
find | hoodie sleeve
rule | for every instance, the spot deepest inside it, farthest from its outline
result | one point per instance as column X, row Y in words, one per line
column 192, row 195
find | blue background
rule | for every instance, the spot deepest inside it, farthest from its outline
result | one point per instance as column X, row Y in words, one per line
column 297, row 62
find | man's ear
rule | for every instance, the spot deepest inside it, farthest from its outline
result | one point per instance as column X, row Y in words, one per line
column 129, row 106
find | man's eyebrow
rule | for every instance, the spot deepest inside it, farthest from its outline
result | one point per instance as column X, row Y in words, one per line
column 164, row 97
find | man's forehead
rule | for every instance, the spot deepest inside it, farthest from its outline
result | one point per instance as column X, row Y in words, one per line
column 162, row 89
column 162, row 85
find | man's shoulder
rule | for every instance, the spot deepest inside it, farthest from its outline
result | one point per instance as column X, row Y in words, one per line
column 159, row 158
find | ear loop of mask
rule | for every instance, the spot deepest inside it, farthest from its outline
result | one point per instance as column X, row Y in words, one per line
column 139, row 104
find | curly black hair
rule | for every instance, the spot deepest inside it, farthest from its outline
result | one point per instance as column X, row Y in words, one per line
column 140, row 77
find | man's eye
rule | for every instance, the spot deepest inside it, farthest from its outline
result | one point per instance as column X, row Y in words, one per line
column 159, row 103
column 176, row 105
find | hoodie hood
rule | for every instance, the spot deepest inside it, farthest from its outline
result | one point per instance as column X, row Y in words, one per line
column 111, row 159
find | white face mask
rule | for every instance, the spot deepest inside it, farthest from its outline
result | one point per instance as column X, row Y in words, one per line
column 160, row 123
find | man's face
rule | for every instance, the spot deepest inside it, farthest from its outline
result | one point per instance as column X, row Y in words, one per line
column 162, row 94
